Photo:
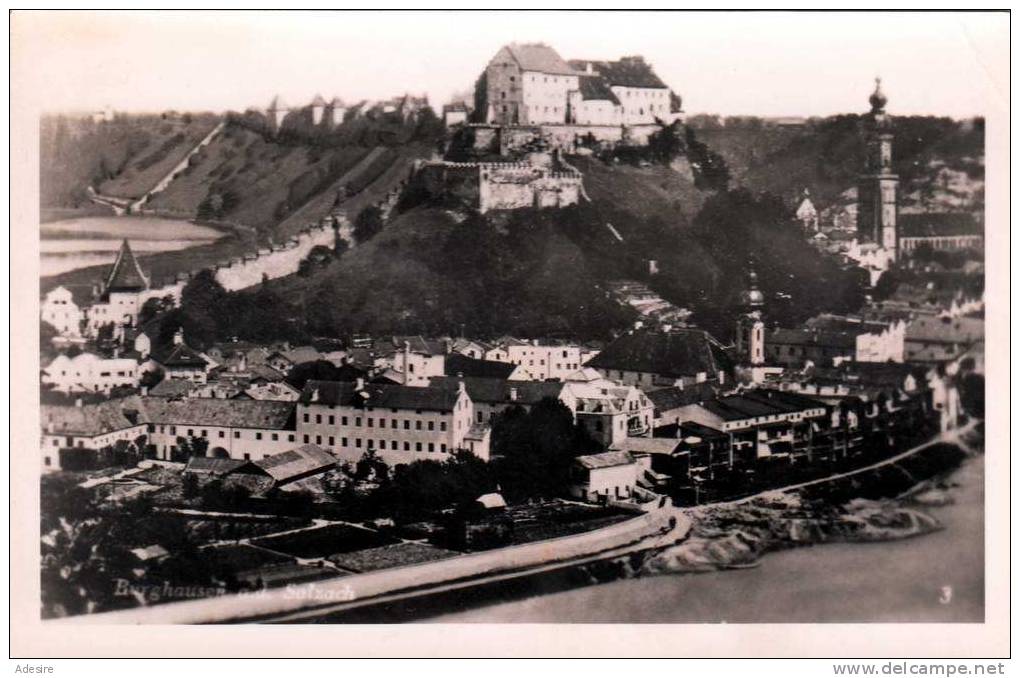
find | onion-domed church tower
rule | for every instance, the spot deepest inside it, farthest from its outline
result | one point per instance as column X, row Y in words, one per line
column 876, row 187
column 751, row 324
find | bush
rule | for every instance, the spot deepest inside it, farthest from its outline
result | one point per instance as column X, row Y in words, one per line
column 368, row 223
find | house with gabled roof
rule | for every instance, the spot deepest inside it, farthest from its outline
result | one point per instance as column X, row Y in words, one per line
column 180, row 361
column 292, row 465
column 605, row 476
column 680, row 356
column 65, row 309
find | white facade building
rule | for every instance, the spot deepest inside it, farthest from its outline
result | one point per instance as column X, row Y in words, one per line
column 400, row 423
column 90, row 373
column 60, row 309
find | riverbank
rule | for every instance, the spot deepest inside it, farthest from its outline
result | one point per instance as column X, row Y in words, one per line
column 229, row 243
column 51, row 214
column 746, row 571
column 84, row 243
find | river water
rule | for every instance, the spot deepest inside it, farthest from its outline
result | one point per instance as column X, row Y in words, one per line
column 70, row 244
column 938, row 577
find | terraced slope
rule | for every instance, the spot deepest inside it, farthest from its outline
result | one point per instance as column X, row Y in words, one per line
column 126, row 157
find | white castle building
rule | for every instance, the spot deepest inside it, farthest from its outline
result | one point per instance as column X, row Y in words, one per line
column 531, row 84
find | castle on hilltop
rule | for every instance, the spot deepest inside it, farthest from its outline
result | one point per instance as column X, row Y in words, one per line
column 531, row 84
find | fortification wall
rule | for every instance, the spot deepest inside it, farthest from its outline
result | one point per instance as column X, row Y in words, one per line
column 275, row 262
column 502, row 186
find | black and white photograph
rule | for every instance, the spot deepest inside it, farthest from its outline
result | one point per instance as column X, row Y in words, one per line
column 512, row 317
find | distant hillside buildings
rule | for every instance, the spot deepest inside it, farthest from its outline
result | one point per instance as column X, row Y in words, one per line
column 332, row 114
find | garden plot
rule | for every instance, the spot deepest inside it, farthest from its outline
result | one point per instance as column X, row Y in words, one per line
column 322, row 542
column 393, row 555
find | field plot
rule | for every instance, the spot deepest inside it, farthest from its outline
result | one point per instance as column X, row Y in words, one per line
column 394, row 555
column 325, row 541
column 548, row 520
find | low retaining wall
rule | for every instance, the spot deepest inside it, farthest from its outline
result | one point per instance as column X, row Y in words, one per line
column 305, row 598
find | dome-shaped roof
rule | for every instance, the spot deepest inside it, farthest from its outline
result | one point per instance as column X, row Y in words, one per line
column 752, row 296
column 878, row 99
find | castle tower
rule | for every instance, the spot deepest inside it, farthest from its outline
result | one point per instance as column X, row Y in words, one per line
column 337, row 111
column 318, row 106
column 751, row 324
column 876, row 187
column 276, row 112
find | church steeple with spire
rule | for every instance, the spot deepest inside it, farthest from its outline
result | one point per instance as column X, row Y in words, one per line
column 877, row 185
column 751, row 324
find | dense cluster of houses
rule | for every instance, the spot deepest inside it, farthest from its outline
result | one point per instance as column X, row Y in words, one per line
column 666, row 404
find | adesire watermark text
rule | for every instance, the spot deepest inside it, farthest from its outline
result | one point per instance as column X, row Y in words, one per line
column 154, row 593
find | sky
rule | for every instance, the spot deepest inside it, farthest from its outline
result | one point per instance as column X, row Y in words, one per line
column 747, row 63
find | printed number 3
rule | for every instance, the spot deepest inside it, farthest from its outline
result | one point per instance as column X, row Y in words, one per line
column 946, row 595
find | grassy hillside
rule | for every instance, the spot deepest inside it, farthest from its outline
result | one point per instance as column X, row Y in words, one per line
column 124, row 158
column 545, row 272
column 272, row 188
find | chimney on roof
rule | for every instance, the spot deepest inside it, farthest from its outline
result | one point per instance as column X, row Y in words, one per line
column 179, row 336
column 588, row 68
column 77, row 402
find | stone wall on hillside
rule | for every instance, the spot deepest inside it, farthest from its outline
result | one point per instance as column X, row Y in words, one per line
column 514, row 139
column 276, row 261
column 502, row 186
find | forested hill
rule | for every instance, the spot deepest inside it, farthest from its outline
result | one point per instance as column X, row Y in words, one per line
column 825, row 155
column 706, row 204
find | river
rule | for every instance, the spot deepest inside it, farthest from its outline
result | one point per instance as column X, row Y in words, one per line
column 934, row 578
column 71, row 244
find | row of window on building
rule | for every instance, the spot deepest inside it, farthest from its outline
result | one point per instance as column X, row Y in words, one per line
column 370, row 422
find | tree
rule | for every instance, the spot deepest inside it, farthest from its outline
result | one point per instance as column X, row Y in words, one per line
column 972, row 394
column 709, row 168
column 316, row 370
column 368, row 223
column 371, row 466
column 193, row 446
column 665, row 146
column 537, row 449
column 47, row 333
column 155, row 307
